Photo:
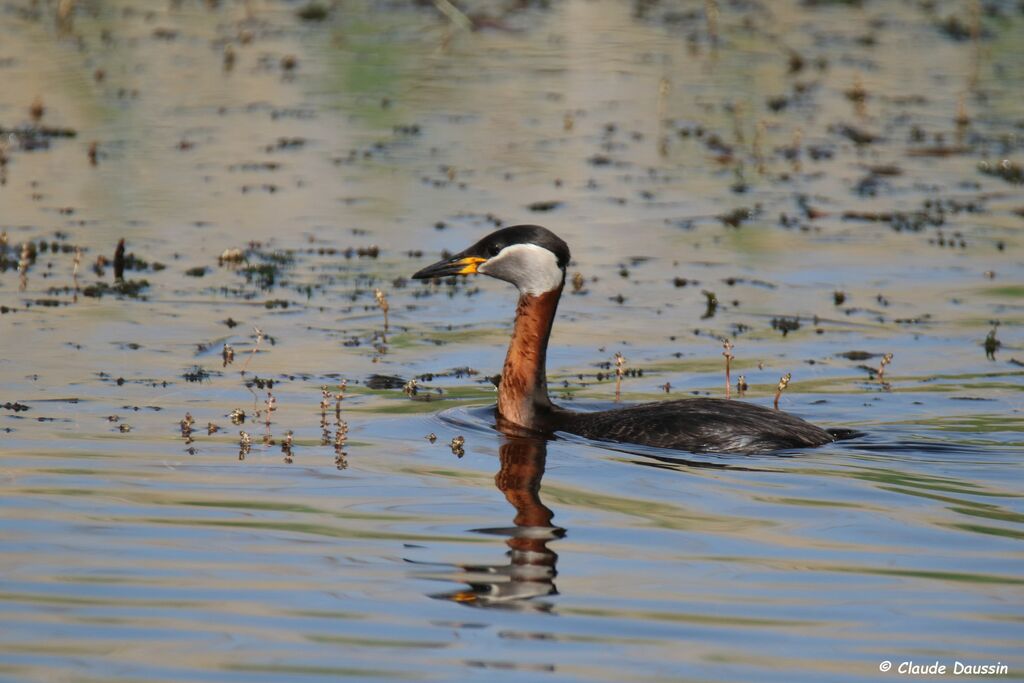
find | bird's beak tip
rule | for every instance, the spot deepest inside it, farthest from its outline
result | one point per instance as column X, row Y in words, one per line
column 466, row 265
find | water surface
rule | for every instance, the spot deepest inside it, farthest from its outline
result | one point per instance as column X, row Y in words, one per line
column 831, row 174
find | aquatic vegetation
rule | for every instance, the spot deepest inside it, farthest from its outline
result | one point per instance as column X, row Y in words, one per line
column 785, row 325
column 1007, row 170
column 710, row 304
column 277, row 171
column 620, row 371
column 227, row 354
column 196, row 374
column 991, row 343
column 26, row 258
column 886, row 359
column 382, row 304
column 128, row 288
column 782, row 386
column 727, row 353
column 736, row 217
column 255, row 348
column 312, row 11
column 244, row 444
column 34, row 137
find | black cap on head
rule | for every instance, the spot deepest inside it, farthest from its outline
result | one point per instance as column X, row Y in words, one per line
column 467, row 261
column 521, row 234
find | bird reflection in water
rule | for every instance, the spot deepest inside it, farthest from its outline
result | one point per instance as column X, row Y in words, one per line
column 530, row 571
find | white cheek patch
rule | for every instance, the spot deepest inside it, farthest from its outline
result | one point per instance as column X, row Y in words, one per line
column 533, row 269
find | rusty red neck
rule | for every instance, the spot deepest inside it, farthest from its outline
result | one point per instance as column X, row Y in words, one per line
column 523, row 392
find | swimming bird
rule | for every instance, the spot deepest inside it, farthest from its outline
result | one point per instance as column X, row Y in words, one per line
column 534, row 259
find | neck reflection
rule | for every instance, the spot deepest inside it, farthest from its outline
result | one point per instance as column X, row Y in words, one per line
column 531, row 567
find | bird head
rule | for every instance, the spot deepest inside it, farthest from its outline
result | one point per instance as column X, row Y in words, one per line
column 532, row 258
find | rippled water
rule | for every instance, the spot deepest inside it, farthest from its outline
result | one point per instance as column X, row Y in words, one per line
column 134, row 549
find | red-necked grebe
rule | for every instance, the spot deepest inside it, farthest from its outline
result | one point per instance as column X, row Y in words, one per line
column 534, row 259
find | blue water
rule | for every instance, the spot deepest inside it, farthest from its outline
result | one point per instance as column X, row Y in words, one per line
column 133, row 549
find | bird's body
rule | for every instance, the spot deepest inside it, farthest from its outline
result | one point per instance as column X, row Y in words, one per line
column 696, row 425
column 534, row 259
